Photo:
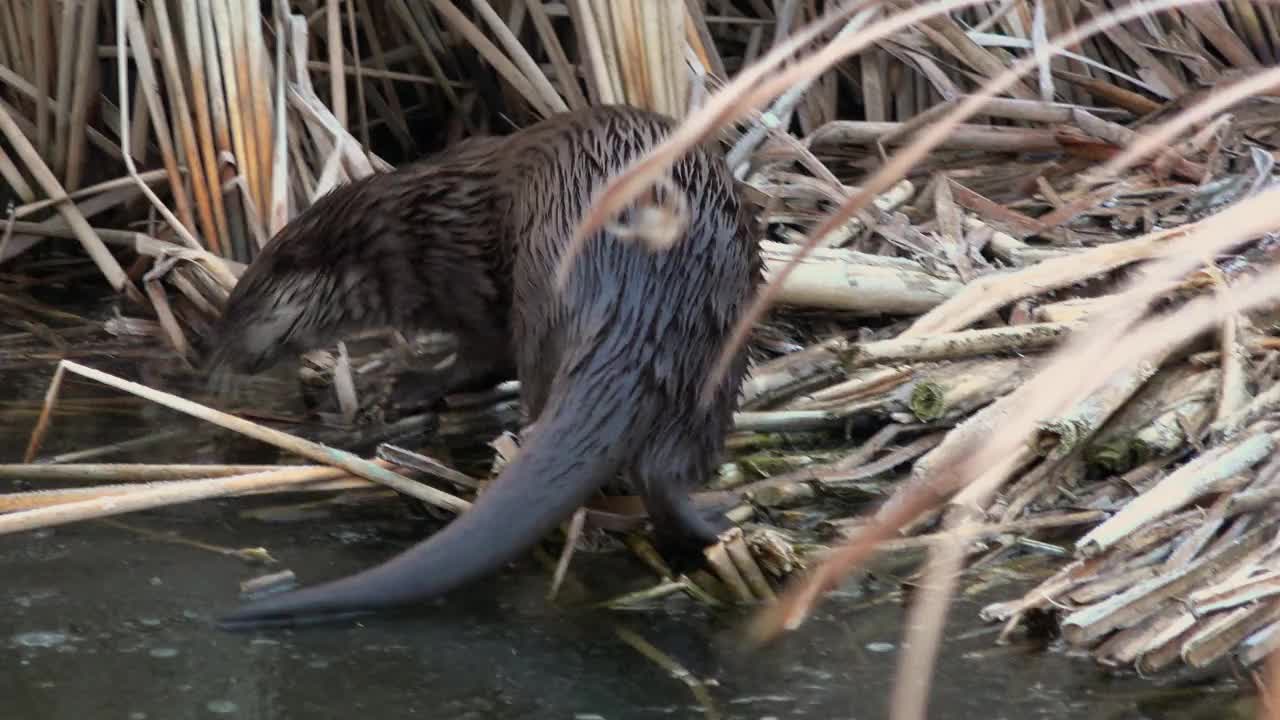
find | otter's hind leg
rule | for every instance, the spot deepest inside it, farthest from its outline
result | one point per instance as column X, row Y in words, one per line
column 666, row 475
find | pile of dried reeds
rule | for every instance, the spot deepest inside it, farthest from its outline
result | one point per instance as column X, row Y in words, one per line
column 1054, row 224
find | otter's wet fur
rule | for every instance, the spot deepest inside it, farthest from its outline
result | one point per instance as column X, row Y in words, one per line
column 468, row 242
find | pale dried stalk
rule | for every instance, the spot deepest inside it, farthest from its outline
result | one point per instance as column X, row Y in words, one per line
column 264, row 95
column 963, row 137
column 31, row 208
column 111, row 269
column 278, row 214
column 253, row 87
column 500, row 63
column 1162, row 135
column 46, row 416
column 1189, row 482
column 200, row 89
column 12, row 175
column 1062, row 433
column 37, row 499
column 989, row 293
column 551, row 43
column 126, row 11
column 62, row 113
column 1262, row 404
column 603, row 86
column 233, row 75
column 224, row 270
column 1127, row 608
column 124, row 472
column 216, row 99
column 337, row 78
column 956, row 389
column 840, row 283
column 40, row 39
column 182, row 119
column 161, row 495
column 955, row 345
column 942, row 571
column 314, row 451
column 87, row 81
column 521, row 57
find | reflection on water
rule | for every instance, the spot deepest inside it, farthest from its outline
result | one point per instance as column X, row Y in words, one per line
column 104, row 620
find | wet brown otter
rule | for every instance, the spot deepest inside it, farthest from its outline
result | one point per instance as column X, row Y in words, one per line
column 610, row 369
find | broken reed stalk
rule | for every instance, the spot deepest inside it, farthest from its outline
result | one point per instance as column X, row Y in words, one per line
column 960, row 344
column 1189, row 482
column 322, row 454
column 46, row 416
column 173, row 492
column 161, row 495
column 125, row 472
column 48, row 182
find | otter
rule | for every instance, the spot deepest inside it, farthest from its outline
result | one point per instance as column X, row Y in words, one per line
column 610, row 364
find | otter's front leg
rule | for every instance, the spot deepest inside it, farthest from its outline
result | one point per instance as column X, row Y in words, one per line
column 482, row 360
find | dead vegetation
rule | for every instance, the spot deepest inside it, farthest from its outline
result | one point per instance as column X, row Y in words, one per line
column 1023, row 264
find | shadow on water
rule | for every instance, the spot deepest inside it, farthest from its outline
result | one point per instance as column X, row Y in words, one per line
column 111, row 620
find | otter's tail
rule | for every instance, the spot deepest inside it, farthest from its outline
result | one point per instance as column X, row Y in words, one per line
column 579, row 442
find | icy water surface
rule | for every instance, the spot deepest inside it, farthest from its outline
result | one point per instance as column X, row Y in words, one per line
column 110, row 620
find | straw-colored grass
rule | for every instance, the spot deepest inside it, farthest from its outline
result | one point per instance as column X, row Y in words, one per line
column 900, row 153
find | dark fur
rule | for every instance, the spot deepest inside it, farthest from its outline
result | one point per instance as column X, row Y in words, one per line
column 610, row 370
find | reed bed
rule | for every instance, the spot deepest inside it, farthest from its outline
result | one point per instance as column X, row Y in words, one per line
column 1022, row 259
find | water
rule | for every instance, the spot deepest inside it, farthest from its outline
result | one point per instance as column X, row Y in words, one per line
column 107, row 621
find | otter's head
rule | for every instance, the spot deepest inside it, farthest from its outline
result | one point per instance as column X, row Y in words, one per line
column 313, row 282
column 269, row 316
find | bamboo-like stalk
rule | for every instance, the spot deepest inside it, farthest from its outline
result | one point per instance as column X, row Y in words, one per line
column 279, row 212
column 1190, row 481
column 965, row 343
column 313, row 451
column 219, row 117
column 402, row 10
column 160, row 495
column 40, row 42
column 566, row 72
column 361, row 107
column 87, row 83
column 181, row 111
column 242, row 20
column 66, row 69
column 259, row 68
column 957, row 389
column 337, row 79
column 1126, row 608
column 219, row 239
column 130, row 23
column 839, row 283
column 233, row 74
column 519, row 55
column 528, row 88
column 111, row 269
